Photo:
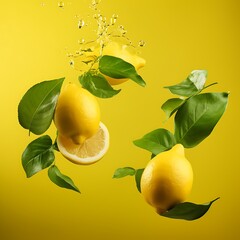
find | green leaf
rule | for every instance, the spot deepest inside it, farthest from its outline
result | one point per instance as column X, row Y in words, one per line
column 153, row 155
column 172, row 105
column 38, row 155
column 138, row 176
column 36, row 108
column 156, row 141
column 97, row 85
column 61, row 180
column 118, row 68
column 188, row 211
column 196, row 119
column 123, row 172
column 198, row 77
column 192, row 85
column 55, row 146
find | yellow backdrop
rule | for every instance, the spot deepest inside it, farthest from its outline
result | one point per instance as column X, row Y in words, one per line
column 180, row 36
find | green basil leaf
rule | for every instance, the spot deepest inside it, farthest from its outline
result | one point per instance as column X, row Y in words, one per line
column 192, row 85
column 138, row 176
column 156, row 141
column 188, row 211
column 61, row 180
column 118, row 68
column 38, row 155
column 123, row 172
column 36, row 108
column 97, row 85
column 172, row 105
column 196, row 119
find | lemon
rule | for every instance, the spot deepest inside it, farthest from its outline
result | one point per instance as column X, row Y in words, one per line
column 125, row 52
column 77, row 114
column 167, row 179
column 112, row 48
column 90, row 151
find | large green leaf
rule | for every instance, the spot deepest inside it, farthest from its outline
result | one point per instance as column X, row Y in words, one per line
column 193, row 84
column 97, row 85
column 61, row 180
column 188, row 211
column 172, row 105
column 37, row 155
column 36, row 108
column 156, row 141
column 195, row 120
column 123, row 172
column 118, row 68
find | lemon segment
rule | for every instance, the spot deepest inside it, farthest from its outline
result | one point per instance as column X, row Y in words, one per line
column 90, row 151
column 167, row 179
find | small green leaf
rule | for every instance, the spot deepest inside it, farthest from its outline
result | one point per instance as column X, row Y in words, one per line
column 36, row 108
column 188, row 211
column 192, row 85
column 118, row 68
column 156, row 141
column 196, row 119
column 61, row 180
column 97, row 85
column 172, row 105
column 138, row 176
column 38, row 155
column 123, row 172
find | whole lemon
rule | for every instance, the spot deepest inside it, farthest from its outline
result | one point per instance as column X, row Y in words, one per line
column 167, row 179
column 77, row 114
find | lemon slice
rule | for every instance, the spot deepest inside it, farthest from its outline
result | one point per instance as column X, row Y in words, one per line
column 90, row 151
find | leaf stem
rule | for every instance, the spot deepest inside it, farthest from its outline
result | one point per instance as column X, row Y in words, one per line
column 210, row 85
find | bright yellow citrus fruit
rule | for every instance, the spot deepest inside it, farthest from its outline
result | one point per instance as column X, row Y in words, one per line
column 167, row 179
column 124, row 52
column 90, row 151
column 77, row 114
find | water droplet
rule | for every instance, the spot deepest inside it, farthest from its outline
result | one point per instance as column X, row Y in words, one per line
column 141, row 43
column 61, row 4
column 99, row 17
column 95, row 3
column 113, row 19
column 81, row 41
column 81, row 23
column 71, row 63
column 69, row 55
column 43, row 4
column 123, row 31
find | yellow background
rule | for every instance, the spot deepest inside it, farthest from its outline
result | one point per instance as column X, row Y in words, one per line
column 180, row 36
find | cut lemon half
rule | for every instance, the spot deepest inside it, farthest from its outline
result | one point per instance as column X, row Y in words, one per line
column 90, row 151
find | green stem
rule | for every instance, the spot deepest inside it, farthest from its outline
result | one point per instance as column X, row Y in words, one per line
column 210, row 85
